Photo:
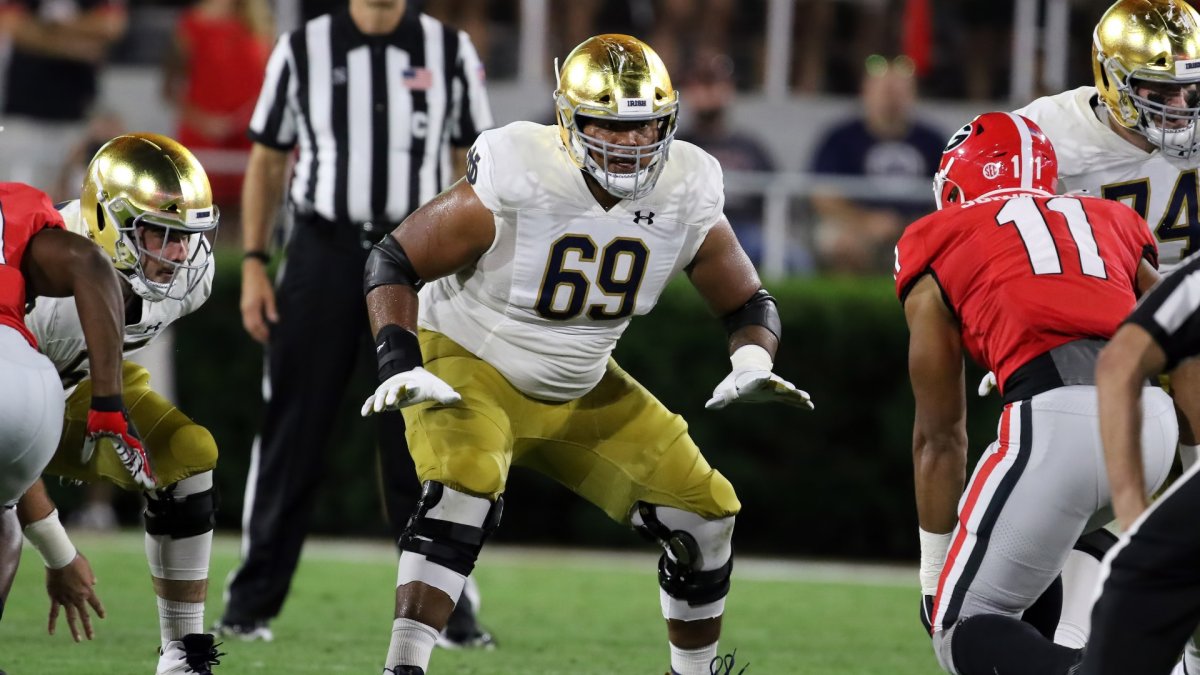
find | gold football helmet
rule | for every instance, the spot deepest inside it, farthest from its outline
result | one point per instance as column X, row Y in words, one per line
column 1156, row 42
column 616, row 77
column 142, row 180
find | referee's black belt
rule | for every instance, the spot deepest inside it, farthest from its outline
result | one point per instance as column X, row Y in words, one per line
column 368, row 232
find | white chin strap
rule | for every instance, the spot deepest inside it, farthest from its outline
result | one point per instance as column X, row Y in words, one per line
column 145, row 289
column 623, row 185
column 1181, row 143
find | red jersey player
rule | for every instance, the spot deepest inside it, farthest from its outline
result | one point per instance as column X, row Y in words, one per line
column 39, row 257
column 1031, row 285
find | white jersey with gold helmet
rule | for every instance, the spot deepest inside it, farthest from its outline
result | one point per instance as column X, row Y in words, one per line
column 55, row 322
column 546, row 304
column 1094, row 160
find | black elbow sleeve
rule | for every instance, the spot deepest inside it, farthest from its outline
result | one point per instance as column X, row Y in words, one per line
column 759, row 310
column 387, row 265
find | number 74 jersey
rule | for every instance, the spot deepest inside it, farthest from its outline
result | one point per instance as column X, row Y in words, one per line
column 546, row 304
column 1028, row 272
column 1093, row 160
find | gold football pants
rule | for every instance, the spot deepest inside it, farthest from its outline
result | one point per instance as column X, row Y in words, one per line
column 614, row 446
column 177, row 446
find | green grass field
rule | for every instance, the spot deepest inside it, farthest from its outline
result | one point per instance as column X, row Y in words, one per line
column 567, row 612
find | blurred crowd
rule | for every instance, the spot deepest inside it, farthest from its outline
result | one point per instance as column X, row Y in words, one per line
column 885, row 52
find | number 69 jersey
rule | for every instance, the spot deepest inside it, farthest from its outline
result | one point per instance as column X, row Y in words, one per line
column 1028, row 272
column 546, row 304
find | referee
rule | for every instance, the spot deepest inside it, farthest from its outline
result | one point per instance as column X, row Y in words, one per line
column 375, row 96
column 1150, row 601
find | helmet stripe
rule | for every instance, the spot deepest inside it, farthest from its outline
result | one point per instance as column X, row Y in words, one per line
column 1026, row 149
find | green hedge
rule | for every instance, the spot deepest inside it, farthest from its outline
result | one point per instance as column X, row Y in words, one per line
column 836, row 482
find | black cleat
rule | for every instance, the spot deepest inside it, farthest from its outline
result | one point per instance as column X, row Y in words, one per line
column 404, row 670
column 195, row 653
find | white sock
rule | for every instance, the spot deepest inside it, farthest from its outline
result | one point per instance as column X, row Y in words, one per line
column 1080, row 574
column 176, row 619
column 412, row 643
column 1188, row 455
column 693, row 661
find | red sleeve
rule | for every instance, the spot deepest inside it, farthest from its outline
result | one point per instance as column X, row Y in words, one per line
column 1136, row 233
column 1145, row 238
column 28, row 209
column 913, row 257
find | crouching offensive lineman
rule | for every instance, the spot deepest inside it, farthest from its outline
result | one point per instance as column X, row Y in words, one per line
column 147, row 203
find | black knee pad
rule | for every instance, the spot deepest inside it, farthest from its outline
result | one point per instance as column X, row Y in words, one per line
column 678, row 572
column 181, row 517
column 455, row 546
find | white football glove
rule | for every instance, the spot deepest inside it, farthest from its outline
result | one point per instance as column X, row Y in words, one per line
column 409, row 388
column 752, row 381
column 987, row 384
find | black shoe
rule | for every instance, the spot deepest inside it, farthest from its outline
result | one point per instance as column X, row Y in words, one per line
column 195, row 653
column 247, row 632
column 398, row 670
column 463, row 630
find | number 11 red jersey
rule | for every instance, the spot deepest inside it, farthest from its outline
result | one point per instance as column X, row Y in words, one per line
column 1027, row 272
column 24, row 211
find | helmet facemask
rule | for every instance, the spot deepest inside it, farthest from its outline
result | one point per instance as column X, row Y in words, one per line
column 1173, row 129
column 635, row 184
column 132, row 253
column 945, row 191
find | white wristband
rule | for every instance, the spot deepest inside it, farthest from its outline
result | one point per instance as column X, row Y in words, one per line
column 933, row 557
column 51, row 541
column 751, row 357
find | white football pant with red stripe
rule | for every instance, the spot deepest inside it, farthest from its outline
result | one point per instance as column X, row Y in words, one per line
column 1035, row 490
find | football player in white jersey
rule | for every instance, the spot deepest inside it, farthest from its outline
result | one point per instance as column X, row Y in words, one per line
column 531, row 268
column 1133, row 137
column 147, row 203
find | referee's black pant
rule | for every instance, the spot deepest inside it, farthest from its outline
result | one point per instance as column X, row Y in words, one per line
column 311, row 357
column 1150, row 602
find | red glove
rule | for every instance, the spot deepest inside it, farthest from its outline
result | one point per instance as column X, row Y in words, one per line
column 108, row 420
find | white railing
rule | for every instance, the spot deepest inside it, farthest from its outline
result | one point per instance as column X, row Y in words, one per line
column 780, row 192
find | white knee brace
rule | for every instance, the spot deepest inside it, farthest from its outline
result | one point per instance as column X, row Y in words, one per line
column 697, row 560
column 444, row 536
column 179, row 528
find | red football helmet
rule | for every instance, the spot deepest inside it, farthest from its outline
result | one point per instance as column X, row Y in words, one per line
column 995, row 151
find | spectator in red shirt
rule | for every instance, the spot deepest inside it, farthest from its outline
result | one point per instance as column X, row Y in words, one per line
column 213, row 76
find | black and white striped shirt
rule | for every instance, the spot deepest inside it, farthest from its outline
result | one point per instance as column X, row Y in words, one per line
column 1170, row 312
column 374, row 115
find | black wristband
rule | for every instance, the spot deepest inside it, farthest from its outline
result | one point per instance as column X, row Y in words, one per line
column 260, row 256
column 397, row 350
column 108, row 403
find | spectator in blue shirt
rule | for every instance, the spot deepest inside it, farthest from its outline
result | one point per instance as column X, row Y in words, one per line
column 857, row 229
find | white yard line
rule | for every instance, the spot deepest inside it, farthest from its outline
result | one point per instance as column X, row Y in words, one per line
column 746, row 568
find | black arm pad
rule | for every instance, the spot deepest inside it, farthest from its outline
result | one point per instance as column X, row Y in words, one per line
column 396, row 350
column 759, row 310
column 388, row 264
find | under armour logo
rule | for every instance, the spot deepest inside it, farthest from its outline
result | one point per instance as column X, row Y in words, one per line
column 638, row 217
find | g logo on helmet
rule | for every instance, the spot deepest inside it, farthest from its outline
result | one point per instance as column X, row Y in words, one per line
column 992, row 170
column 957, row 139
